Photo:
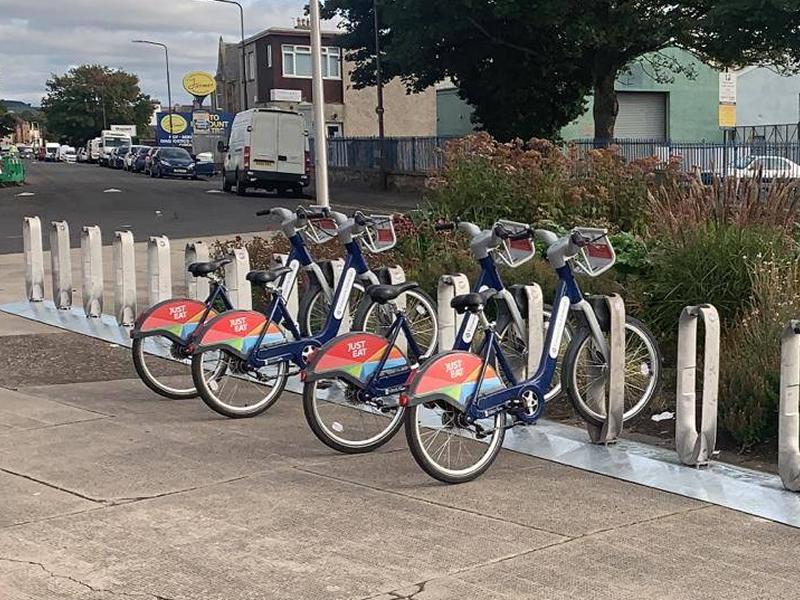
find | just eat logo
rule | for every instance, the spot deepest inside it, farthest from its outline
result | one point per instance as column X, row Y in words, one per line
column 454, row 369
column 178, row 313
column 357, row 349
column 239, row 325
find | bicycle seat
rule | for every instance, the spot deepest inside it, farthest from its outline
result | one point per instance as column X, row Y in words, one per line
column 472, row 302
column 265, row 277
column 201, row 269
column 383, row 293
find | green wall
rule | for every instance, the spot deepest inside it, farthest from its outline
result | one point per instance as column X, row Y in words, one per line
column 692, row 104
column 453, row 115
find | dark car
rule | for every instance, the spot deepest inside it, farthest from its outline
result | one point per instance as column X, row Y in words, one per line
column 116, row 159
column 137, row 164
column 175, row 162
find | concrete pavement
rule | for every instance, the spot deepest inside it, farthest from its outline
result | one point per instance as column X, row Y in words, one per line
column 109, row 492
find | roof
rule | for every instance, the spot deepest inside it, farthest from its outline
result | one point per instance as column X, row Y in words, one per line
column 228, row 61
column 286, row 31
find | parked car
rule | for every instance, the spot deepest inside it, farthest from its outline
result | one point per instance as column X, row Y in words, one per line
column 768, row 167
column 148, row 160
column 137, row 162
column 67, row 154
column 116, row 158
column 171, row 161
column 267, row 149
column 204, row 164
column 130, row 155
column 25, row 151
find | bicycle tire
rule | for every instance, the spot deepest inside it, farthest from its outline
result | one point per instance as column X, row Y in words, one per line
column 569, row 371
column 150, row 380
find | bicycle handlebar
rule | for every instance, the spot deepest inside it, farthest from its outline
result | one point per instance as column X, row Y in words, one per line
column 444, row 226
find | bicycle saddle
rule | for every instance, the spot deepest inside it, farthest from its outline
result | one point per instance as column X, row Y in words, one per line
column 201, row 269
column 383, row 293
column 265, row 277
column 472, row 302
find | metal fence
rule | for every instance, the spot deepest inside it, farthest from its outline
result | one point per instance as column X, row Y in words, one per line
column 768, row 133
column 704, row 157
column 402, row 155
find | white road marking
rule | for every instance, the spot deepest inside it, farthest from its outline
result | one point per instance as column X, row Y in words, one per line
column 22, row 194
column 214, row 192
column 111, row 191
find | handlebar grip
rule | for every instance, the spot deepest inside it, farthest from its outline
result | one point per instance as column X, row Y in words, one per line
column 444, row 226
column 521, row 235
column 577, row 238
column 264, row 213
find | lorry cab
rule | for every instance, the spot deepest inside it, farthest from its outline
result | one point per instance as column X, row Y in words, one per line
column 108, row 141
column 267, row 149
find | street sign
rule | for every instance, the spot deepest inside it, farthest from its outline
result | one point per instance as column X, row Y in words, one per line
column 199, row 84
column 280, row 95
column 129, row 129
column 727, row 100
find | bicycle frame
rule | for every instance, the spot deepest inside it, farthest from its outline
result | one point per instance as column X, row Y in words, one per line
column 297, row 350
column 568, row 297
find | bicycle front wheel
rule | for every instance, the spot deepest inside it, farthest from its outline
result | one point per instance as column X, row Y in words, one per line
column 314, row 308
column 420, row 312
column 237, row 390
column 447, row 447
column 343, row 422
column 585, row 367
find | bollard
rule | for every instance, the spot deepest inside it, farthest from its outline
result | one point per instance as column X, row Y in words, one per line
column 789, row 416
column 535, row 325
column 696, row 449
column 159, row 269
column 613, row 403
column 61, row 264
column 337, row 267
column 236, row 280
column 289, row 285
column 34, row 258
column 449, row 287
column 92, row 271
column 124, row 278
column 197, row 288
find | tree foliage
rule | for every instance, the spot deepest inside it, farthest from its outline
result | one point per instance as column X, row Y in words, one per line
column 526, row 65
column 6, row 121
column 79, row 104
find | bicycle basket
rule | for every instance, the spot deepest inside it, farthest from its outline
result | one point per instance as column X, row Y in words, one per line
column 515, row 252
column 380, row 235
column 598, row 255
column 321, row 230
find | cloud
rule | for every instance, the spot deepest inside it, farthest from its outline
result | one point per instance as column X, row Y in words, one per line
column 39, row 41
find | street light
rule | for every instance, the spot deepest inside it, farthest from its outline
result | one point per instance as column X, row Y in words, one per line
column 318, row 100
column 244, row 58
column 379, row 84
column 169, row 88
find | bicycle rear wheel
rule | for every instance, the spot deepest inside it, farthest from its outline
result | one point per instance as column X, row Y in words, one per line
column 420, row 312
column 315, row 307
column 447, row 447
column 163, row 368
column 343, row 422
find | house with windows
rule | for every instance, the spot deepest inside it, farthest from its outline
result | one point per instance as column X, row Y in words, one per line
column 278, row 73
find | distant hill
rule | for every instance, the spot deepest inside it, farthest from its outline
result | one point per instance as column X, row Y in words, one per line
column 17, row 106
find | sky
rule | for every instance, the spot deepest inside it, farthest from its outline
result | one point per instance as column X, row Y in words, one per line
column 42, row 37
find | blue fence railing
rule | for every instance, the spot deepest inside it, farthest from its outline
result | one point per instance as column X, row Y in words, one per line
column 423, row 155
column 705, row 157
column 402, row 155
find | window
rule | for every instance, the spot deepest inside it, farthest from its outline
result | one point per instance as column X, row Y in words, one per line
column 297, row 62
column 251, row 65
column 269, row 56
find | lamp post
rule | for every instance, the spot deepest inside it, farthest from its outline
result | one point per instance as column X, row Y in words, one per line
column 169, row 87
column 244, row 57
column 318, row 99
column 379, row 84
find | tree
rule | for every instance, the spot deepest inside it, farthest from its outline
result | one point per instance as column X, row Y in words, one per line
column 7, row 121
column 525, row 65
column 87, row 99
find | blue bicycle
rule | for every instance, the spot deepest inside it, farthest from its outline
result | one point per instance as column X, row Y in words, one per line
column 458, row 404
column 352, row 385
column 259, row 348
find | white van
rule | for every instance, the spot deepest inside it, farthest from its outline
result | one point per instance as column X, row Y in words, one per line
column 51, row 151
column 267, row 149
column 93, row 146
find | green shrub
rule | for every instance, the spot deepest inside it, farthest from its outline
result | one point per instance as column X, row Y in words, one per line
column 705, row 264
column 751, row 355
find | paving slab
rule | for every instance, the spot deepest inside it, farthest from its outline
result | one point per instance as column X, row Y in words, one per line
column 283, row 534
column 21, row 411
column 13, row 325
column 24, row 500
column 712, row 553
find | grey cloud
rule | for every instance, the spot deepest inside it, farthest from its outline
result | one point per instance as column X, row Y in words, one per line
column 40, row 39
